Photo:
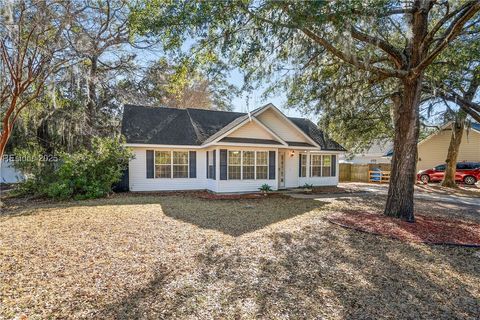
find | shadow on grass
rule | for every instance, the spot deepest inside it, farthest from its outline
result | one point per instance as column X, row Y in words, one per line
column 317, row 272
column 231, row 217
column 237, row 217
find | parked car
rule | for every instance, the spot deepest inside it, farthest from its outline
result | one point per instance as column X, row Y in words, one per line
column 467, row 172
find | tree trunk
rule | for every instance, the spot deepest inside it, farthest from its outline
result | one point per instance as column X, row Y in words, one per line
column 92, row 95
column 457, row 132
column 402, row 179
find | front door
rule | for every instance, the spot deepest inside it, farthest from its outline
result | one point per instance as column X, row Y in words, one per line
column 281, row 170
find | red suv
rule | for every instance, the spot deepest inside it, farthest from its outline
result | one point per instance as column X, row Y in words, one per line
column 467, row 172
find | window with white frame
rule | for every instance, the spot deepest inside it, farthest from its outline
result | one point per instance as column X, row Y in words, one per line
column 234, row 165
column 262, row 165
column 171, row 164
column 180, row 164
column 315, row 165
column 163, row 164
column 326, row 166
column 303, row 165
column 248, row 165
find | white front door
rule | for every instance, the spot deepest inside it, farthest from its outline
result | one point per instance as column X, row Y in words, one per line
column 281, row 170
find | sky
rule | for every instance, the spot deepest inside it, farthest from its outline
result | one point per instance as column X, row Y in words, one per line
column 255, row 100
column 244, row 102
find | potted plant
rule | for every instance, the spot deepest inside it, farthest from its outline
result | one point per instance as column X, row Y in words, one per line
column 307, row 188
column 265, row 188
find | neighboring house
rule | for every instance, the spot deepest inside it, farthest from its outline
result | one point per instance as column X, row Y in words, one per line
column 189, row 149
column 432, row 150
column 8, row 173
column 375, row 154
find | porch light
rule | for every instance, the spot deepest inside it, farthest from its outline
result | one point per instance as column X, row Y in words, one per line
column 292, row 153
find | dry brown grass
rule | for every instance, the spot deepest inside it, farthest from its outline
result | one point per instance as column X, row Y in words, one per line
column 183, row 257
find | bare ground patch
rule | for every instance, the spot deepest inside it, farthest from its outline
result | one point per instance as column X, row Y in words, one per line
column 183, row 257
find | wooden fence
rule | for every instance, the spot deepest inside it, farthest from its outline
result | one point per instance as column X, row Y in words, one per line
column 359, row 172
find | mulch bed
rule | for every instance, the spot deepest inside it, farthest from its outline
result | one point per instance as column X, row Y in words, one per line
column 426, row 229
column 330, row 190
column 212, row 196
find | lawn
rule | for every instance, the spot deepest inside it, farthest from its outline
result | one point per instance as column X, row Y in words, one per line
column 147, row 256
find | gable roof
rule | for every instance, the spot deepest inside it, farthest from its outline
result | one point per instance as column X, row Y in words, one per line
column 194, row 127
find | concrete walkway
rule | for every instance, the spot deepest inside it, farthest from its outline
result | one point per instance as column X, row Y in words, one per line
column 364, row 190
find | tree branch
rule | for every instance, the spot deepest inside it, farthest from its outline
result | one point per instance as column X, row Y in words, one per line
column 450, row 34
column 352, row 59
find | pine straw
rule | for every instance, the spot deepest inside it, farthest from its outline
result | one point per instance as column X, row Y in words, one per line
column 461, row 190
column 432, row 230
column 183, row 257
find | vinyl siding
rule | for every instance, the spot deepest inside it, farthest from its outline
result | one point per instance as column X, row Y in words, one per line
column 139, row 182
column 282, row 128
column 434, row 150
column 252, row 130
column 138, row 174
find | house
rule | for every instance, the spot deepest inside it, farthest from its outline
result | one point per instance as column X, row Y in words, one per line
column 373, row 155
column 432, row 150
column 8, row 172
column 192, row 149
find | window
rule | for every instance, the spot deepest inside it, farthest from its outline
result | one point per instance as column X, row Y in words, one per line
column 234, row 165
column 163, row 161
column 180, row 164
column 210, row 165
column 248, row 164
column 303, row 165
column 315, row 165
column 440, row 167
column 326, row 166
column 262, row 165
column 171, row 164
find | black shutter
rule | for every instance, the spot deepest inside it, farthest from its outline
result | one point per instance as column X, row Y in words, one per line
column 150, row 164
column 300, row 165
column 122, row 185
column 334, row 165
column 208, row 174
column 271, row 165
column 223, row 164
column 214, row 173
column 193, row 164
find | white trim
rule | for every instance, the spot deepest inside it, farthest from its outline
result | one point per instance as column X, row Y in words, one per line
column 270, row 105
column 270, row 131
column 244, row 122
column 255, row 164
column 171, row 165
column 249, row 145
column 166, row 146
column 255, row 114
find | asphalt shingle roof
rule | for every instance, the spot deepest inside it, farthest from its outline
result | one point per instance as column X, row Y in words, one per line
column 158, row 125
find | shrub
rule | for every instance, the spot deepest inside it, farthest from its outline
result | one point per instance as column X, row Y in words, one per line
column 307, row 186
column 82, row 175
column 265, row 188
